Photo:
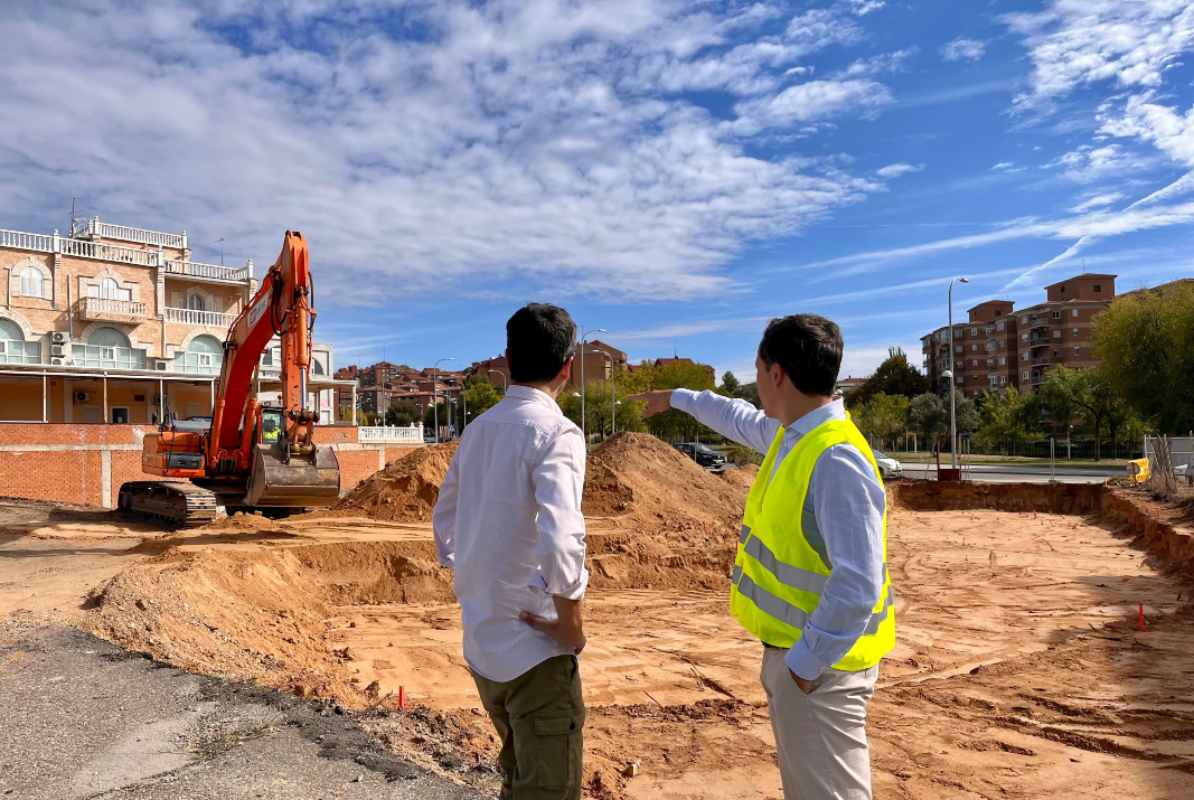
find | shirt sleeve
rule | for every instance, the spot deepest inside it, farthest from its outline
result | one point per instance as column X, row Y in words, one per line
column 443, row 519
column 733, row 418
column 849, row 504
column 558, row 480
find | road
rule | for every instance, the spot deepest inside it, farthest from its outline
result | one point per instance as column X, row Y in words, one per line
column 1018, row 473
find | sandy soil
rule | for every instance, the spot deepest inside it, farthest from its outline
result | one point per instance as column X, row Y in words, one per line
column 1021, row 670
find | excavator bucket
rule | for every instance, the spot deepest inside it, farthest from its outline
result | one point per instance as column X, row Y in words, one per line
column 303, row 482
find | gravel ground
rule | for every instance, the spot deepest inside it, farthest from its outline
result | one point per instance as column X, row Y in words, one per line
column 84, row 719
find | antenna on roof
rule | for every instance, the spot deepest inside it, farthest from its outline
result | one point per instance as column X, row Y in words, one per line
column 70, row 226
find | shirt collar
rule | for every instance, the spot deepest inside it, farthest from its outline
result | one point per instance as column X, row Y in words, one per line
column 533, row 395
column 835, row 410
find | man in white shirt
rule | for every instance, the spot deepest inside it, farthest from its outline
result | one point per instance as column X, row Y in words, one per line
column 509, row 523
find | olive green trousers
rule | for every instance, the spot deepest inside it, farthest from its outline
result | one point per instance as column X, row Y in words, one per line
column 539, row 717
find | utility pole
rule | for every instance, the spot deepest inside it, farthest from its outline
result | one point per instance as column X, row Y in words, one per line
column 953, row 400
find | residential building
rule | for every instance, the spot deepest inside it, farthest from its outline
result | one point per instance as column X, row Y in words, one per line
column 598, row 362
column 116, row 324
column 999, row 346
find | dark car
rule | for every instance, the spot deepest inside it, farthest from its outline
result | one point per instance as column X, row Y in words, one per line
column 704, row 455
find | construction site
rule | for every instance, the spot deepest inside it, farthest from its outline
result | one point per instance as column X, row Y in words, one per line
column 1043, row 643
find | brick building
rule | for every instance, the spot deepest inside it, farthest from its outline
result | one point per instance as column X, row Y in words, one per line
column 115, row 324
column 999, row 346
column 383, row 385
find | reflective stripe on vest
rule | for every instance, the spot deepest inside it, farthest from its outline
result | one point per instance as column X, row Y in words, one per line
column 795, row 577
column 796, row 617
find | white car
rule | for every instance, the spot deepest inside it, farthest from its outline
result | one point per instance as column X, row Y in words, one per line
column 888, row 466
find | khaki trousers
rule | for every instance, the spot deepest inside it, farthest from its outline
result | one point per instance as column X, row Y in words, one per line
column 820, row 738
column 538, row 716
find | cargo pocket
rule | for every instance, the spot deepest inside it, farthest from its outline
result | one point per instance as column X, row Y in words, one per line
column 553, row 762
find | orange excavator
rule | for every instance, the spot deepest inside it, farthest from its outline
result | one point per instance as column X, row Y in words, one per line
column 250, row 455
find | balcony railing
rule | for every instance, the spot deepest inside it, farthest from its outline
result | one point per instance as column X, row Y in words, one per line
column 387, row 434
column 102, row 308
column 27, row 241
column 197, row 269
column 207, row 319
column 125, row 233
column 81, row 248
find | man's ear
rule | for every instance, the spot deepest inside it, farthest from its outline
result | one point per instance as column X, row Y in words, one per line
column 777, row 375
column 566, row 370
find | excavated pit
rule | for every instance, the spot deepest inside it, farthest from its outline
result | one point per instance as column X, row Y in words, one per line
column 1019, row 671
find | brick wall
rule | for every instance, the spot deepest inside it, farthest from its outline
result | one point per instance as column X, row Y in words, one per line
column 86, row 464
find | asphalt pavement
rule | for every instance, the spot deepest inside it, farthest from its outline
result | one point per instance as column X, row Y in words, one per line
column 1017, row 473
column 84, row 720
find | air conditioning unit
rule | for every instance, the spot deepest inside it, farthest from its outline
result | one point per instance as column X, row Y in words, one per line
column 82, row 397
column 57, row 362
column 60, row 337
column 58, row 350
column 161, row 364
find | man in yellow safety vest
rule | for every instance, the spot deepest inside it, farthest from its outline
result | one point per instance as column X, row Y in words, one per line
column 810, row 576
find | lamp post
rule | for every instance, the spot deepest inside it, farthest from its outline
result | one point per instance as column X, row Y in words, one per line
column 435, row 393
column 953, row 402
column 613, row 407
column 505, row 380
column 584, row 336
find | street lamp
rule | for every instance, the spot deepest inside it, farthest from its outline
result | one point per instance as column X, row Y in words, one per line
column 584, row 336
column 953, row 401
column 434, row 393
column 505, row 380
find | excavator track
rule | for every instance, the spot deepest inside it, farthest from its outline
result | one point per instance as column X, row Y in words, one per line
column 180, row 503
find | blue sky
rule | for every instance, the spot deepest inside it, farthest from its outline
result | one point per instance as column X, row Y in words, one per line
column 674, row 172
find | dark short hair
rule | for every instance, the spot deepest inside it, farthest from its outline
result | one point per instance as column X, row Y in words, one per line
column 539, row 341
column 808, row 348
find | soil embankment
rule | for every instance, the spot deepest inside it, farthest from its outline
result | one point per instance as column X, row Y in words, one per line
column 1020, row 669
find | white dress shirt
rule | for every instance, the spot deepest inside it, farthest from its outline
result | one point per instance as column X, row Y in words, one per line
column 846, row 528
column 509, row 523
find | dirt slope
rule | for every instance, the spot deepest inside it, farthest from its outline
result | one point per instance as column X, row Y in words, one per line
column 406, row 490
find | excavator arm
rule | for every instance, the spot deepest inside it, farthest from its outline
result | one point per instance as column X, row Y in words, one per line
column 274, row 447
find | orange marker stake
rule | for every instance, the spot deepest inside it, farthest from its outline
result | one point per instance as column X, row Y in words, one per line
column 402, row 695
column 1140, row 623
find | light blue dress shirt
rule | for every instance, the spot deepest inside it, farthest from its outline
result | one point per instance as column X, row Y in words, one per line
column 845, row 525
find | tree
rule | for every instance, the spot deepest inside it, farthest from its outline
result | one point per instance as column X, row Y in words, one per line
column 883, row 417
column 1146, row 343
column 967, row 417
column 1006, row 418
column 1062, row 396
column 601, row 405
column 480, row 396
column 729, row 384
column 927, row 416
column 894, row 376
column 401, row 413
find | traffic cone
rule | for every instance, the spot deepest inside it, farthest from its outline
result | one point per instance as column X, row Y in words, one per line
column 1141, row 625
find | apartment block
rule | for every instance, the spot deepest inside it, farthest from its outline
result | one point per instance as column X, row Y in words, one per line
column 116, row 324
column 999, row 346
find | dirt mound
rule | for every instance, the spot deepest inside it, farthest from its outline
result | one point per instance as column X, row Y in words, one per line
column 741, row 477
column 240, row 521
column 637, row 475
column 406, row 490
column 262, row 615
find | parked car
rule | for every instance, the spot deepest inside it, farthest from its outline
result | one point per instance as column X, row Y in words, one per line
column 888, row 466
column 704, row 455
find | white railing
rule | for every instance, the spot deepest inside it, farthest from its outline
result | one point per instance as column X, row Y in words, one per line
column 94, row 307
column 208, row 319
column 126, row 233
column 27, row 241
column 81, row 248
column 389, row 434
column 198, row 269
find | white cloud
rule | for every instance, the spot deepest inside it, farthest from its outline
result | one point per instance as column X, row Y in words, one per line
column 1097, row 201
column 964, row 49
column 1090, row 163
column 899, row 170
column 1075, row 42
column 1004, row 166
column 809, row 102
column 1167, row 128
column 508, row 139
column 864, row 7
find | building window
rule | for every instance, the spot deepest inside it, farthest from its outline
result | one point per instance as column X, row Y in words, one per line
column 204, row 356
column 1075, row 312
column 32, row 283
column 13, row 347
column 974, row 331
column 1075, row 331
column 1056, row 315
column 108, row 348
column 316, row 367
column 1098, row 287
column 196, row 302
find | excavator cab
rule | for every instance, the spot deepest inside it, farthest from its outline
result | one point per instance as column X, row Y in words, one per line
column 286, row 474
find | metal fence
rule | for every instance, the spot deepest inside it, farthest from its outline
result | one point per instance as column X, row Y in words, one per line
column 1181, row 449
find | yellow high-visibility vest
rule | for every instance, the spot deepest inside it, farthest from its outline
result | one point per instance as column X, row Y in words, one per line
column 778, row 576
